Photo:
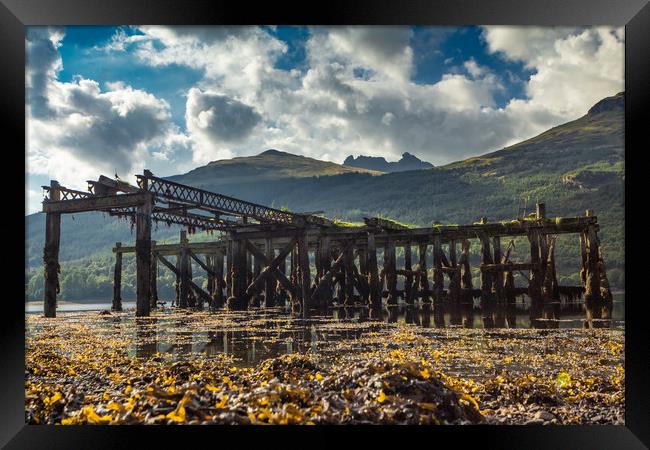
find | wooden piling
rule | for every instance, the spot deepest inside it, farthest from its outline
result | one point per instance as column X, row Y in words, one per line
column 593, row 299
column 362, row 275
column 178, row 280
column 454, row 286
column 438, row 276
column 348, row 262
column 143, row 258
column 209, row 262
column 487, row 299
column 257, row 268
column 390, row 271
column 229, row 286
column 51, row 254
column 305, row 275
column 408, row 278
column 498, row 275
column 281, row 294
column 535, row 281
column 194, row 299
column 422, row 273
column 220, row 284
column 241, row 272
column 373, row 275
column 269, row 286
column 325, row 256
column 154, row 277
column 117, row 279
column 185, row 272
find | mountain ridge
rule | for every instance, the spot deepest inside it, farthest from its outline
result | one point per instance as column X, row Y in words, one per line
column 407, row 162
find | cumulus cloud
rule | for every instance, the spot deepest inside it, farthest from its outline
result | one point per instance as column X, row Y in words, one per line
column 574, row 68
column 214, row 120
column 384, row 50
column 43, row 64
column 75, row 129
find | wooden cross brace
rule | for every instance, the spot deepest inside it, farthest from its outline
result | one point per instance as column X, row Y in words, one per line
column 195, row 287
column 271, row 269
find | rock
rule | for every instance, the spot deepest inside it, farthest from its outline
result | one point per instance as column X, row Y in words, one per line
column 544, row 415
column 534, row 422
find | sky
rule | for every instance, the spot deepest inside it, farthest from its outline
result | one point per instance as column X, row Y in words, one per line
column 106, row 100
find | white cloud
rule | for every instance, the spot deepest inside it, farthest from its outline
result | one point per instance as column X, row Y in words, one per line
column 574, row 68
column 385, row 50
column 215, row 120
column 75, row 130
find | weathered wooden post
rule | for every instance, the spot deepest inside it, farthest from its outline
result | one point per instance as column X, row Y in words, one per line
column 593, row 299
column 373, row 275
column 178, row 280
column 511, row 299
column 605, row 292
column 500, row 316
column 249, row 267
column 583, row 258
column 390, row 271
column 51, row 254
column 339, row 277
column 185, row 272
column 194, row 300
column 467, row 301
column 534, row 284
column 229, row 286
column 218, row 297
column 257, row 268
column 143, row 257
column 281, row 294
column 154, row 277
column 364, row 293
column 486, row 283
column 498, row 273
column 454, row 286
column 408, row 279
column 438, row 278
column 269, row 286
column 325, row 255
column 239, row 274
column 549, row 289
column 117, row 279
column 348, row 261
column 305, row 275
column 209, row 262
column 294, row 276
column 422, row 273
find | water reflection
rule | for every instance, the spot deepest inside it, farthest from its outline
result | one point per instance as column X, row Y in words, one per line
column 146, row 336
column 255, row 335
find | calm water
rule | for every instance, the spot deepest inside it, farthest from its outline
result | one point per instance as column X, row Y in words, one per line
column 257, row 334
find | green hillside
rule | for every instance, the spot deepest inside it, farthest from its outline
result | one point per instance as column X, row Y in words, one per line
column 270, row 165
column 572, row 167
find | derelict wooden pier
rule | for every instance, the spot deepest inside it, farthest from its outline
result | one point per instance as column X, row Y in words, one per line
column 266, row 256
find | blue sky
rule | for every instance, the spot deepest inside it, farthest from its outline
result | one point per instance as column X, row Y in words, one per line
column 104, row 99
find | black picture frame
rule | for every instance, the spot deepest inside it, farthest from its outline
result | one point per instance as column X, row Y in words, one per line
column 16, row 14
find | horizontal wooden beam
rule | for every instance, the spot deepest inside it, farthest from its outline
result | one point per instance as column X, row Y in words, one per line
column 96, row 203
column 509, row 266
column 174, row 249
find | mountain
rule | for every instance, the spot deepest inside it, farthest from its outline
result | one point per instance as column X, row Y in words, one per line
column 408, row 162
column 572, row 167
column 269, row 165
